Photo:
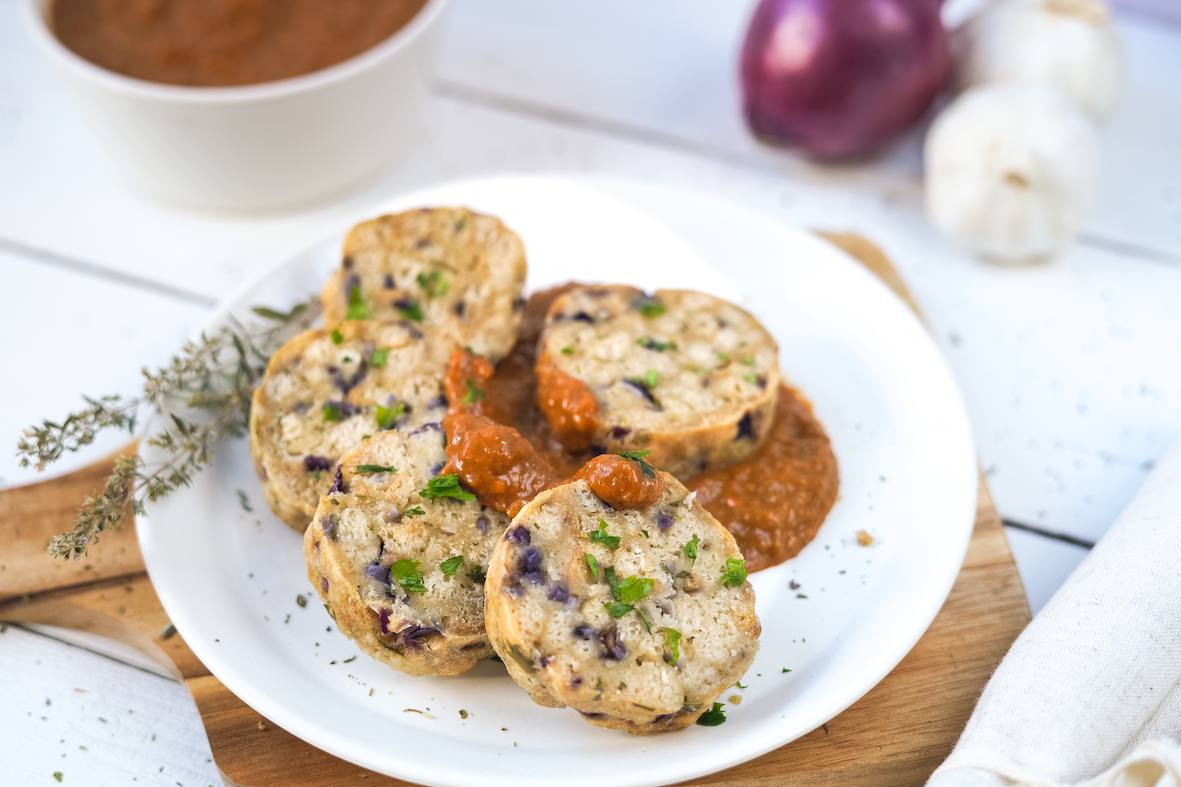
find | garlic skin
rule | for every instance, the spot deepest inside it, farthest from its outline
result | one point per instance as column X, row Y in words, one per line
column 1068, row 44
column 1011, row 171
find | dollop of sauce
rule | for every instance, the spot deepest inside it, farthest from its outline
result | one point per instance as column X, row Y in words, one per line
column 775, row 499
column 621, row 483
column 570, row 407
column 225, row 42
column 493, row 460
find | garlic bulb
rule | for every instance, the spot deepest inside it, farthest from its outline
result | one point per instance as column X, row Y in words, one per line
column 1067, row 44
column 1011, row 171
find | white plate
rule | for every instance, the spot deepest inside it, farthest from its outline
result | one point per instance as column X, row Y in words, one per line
column 229, row 579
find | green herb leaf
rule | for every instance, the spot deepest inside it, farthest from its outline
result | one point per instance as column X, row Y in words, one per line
column 735, row 572
column 451, row 565
column 712, row 717
column 278, row 316
column 645, row 532
column 358, row 309
column 600, row 536
column 381, row 357
column 473, row 394
column 644, row 620
column 649, row 307
column 751, row 378
column 723, row 357
column 651, row 378
column 739, row 685
column 785, row 669
column 674, row 644
column 748, row 360
column 690, row 549
column 568, row 349
column 592, row 565
column 649, row 343
column 243, row 501
column 407, row 575
column 375, row 469
column 411, row 312
column 388, row 416
column 612, row 582
column 477, row 575
column 634, row 589
column 435, row 284
column 639, row 456
column 459, row 225
column 332, row 412
column 337, row 336
column 316, row 475
column 617, row 610
column 416, row 511
column 445, row 486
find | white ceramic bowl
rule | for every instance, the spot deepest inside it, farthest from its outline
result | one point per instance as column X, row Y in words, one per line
column 261, row 145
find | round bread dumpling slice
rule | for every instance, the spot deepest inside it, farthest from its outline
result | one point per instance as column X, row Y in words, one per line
column 692, row 378
column 637, row 619
column 326, row 390
column 399, row 556
column 445, row 268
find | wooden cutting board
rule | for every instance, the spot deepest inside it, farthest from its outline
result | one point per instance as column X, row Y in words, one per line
column 895, row 735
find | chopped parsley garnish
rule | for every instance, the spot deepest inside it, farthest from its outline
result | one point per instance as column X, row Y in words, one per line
column 645, row 532
column 600, row 536
column 723, row 357
column 410, row 310
column 639, row 456
column 407, row 575
column 644, row 620
column 447, row 486
column 376, row 469
column 712, row 717
column 616, row 609
column 243, row 501
column 592, row 565
column 690, row 549
column 651, row 379
column 785, row 669
column 652, row 344
column 735, row 572
column 337, row 336
column 316, row 475
column 650, row 308
column 473, row 394
column 674, row 644
column 416, row 511
column 568, row 349
column 739, row 685
column 358, row 309
column 381, row 357
column 332, row 412
column 633, row 589
column 477, row 575
column 387, row 416
column 748, row 360
column 451, row 565
column 435, row 284
column 751, row 378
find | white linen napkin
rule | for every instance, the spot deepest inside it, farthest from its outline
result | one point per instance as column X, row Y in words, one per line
column 1090, row 693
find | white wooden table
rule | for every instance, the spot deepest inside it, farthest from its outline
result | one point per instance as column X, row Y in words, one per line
column 1071, row 370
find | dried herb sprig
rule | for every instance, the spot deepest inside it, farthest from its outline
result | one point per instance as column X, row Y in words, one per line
column 206, row 390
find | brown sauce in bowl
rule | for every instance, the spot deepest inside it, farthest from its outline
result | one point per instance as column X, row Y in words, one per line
column 773, row 501
column 218, row 43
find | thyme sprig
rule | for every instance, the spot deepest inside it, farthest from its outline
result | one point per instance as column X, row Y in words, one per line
column 205, row 390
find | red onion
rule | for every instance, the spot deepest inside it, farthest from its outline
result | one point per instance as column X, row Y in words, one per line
column 841, row 78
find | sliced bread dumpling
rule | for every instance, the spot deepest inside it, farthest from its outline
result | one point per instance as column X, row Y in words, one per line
column 448, row 269
column 399, row 556
column 325, row 390
column 690, row 377
column 636, row 618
